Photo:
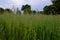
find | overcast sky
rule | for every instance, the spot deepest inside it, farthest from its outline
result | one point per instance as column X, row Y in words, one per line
column 35, row 4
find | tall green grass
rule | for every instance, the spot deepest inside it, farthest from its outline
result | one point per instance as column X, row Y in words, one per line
column 29, row 27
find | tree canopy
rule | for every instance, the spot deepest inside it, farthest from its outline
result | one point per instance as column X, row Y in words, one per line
column 26, row 8
column 1, row 10
column 53, row 9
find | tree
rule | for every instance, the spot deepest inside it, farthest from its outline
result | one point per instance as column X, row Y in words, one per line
column 50, row 10
column 26, row 8
column 8, row 10
column 56, row 3
column 46, row 10
column 1, row 10
column 33, row 12
column 18, row 11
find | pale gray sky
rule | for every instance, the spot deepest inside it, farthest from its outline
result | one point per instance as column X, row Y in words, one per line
column 35, row 4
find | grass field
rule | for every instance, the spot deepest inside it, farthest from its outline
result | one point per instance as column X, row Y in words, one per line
column 29, row 27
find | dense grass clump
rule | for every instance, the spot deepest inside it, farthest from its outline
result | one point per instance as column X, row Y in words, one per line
column 29, row 27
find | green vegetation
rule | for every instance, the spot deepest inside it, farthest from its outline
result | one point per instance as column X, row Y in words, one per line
column 53, row 9
column 26, row 8
column 29, row 27
column 34, row 25
column 1, row 10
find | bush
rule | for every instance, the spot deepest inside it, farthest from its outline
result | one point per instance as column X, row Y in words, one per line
column 1, row 10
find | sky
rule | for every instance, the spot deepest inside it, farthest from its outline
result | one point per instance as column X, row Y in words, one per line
column 35, row 4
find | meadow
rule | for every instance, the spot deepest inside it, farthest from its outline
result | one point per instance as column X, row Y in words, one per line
column 29, row 27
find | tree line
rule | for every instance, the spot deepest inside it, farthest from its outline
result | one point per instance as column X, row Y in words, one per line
column 2, row 10
column 53, row 9
column 25, row 8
